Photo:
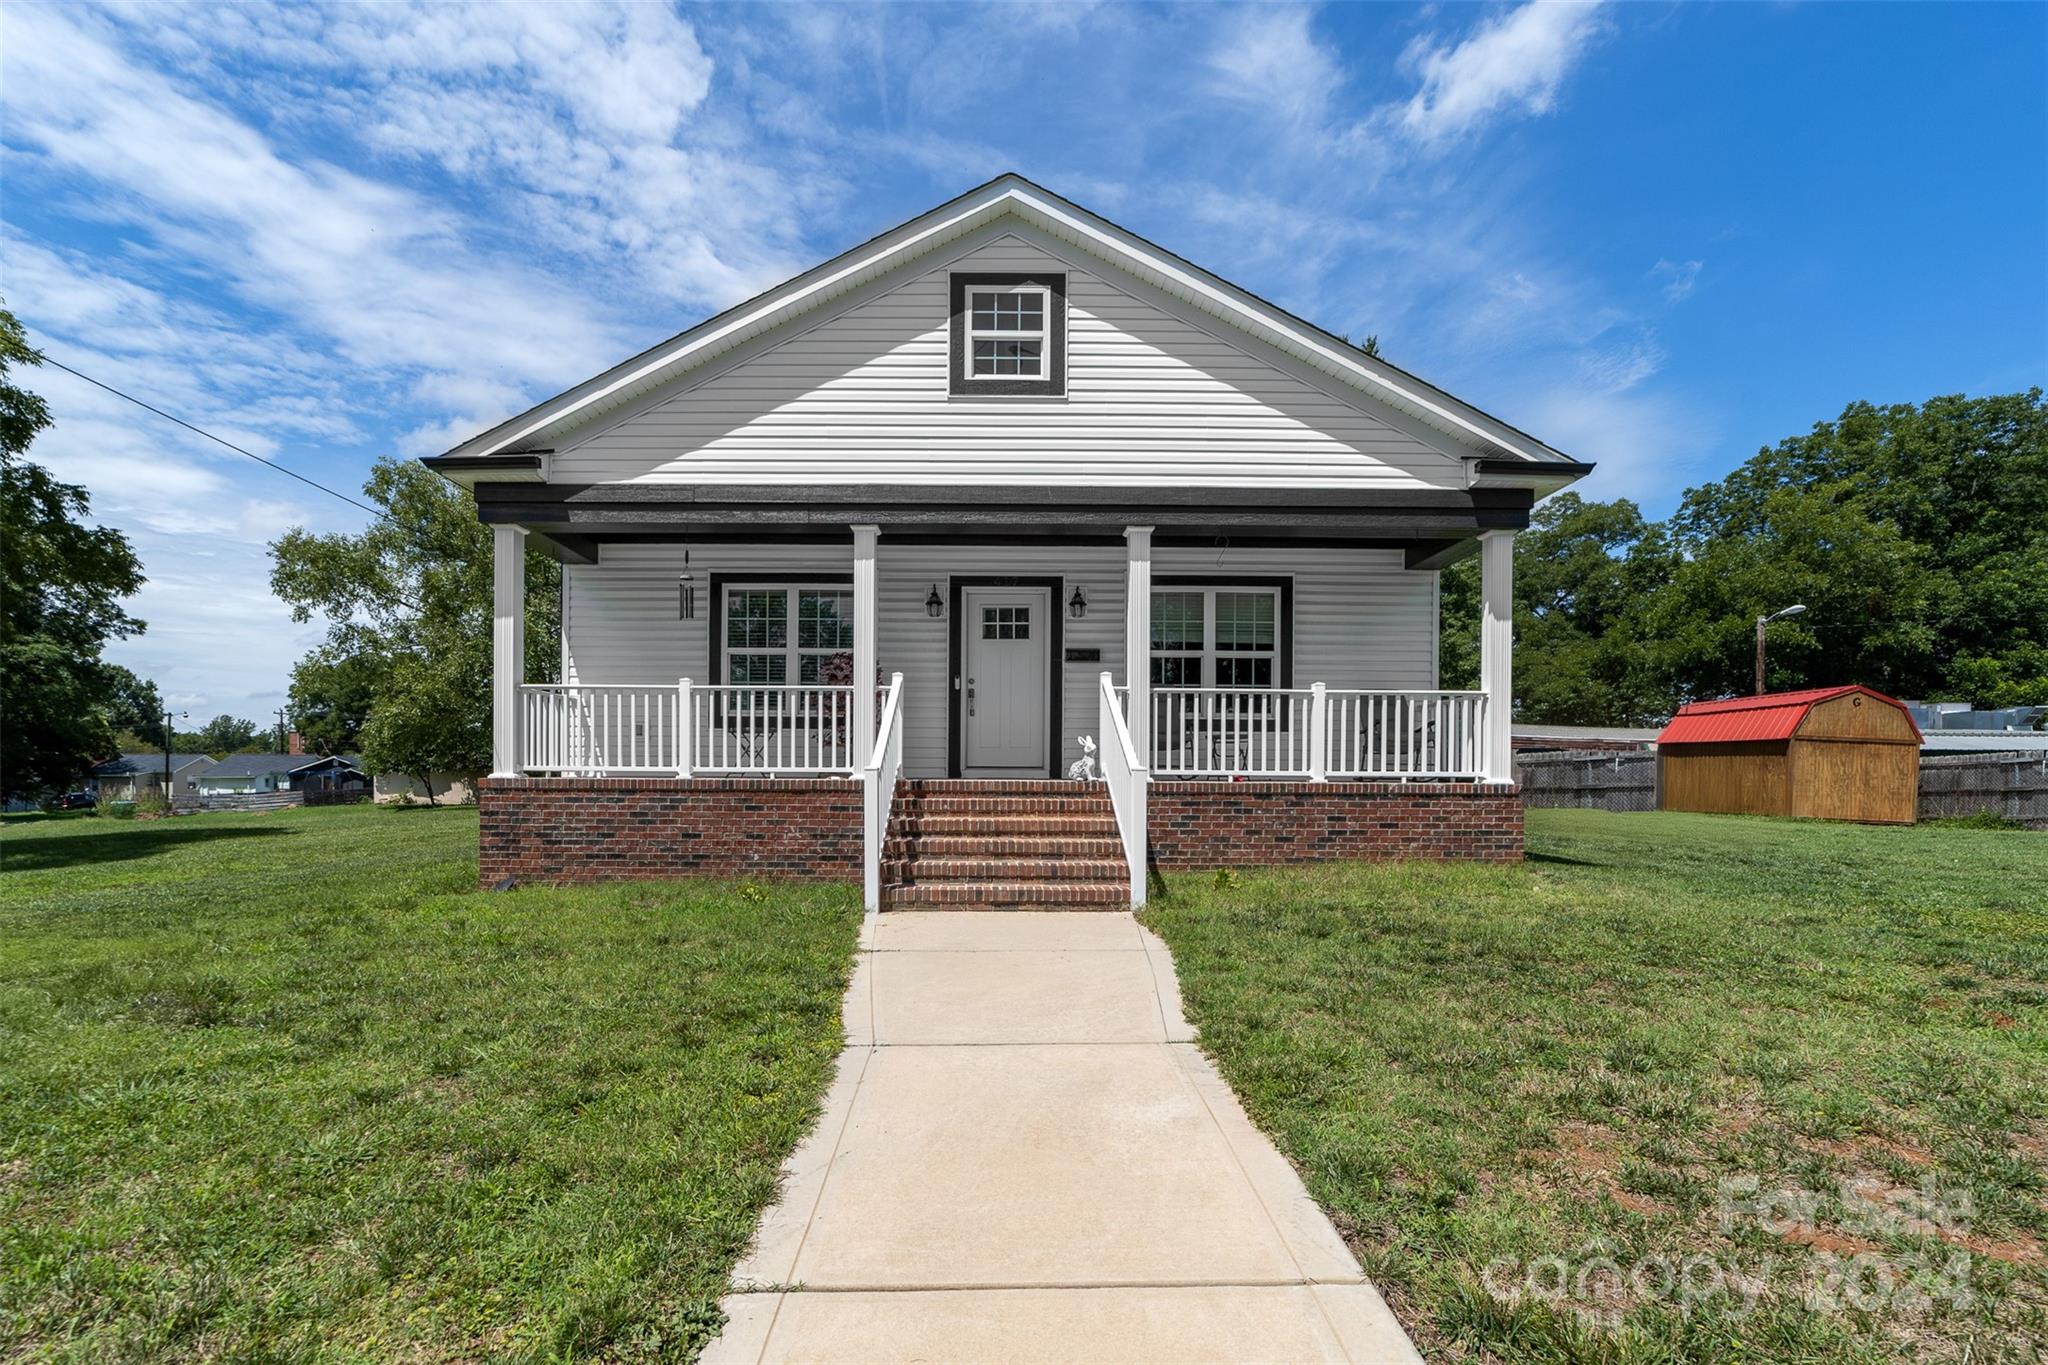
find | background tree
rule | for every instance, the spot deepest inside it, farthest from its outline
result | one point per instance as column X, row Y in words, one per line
column 1915, row 536
column 61, row 585
column 131, row 709
column 434, row 716
column 408, row 600
column 1582, row 570
column 333, row 689
column 224, row 735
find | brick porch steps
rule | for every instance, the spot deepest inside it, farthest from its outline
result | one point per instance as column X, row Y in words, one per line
column 992, row 845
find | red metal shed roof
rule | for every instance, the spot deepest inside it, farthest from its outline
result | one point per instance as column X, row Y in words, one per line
column 1774, row 715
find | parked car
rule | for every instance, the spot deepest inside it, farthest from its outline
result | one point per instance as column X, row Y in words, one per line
column 75, row 801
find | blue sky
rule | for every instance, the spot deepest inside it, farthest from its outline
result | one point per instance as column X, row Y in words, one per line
column 1656, row 236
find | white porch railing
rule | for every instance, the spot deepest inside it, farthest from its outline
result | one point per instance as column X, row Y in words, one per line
column 772, row 730
column 1126, row 779
column 1317, row 733
column 878, row 789
column 681, row 728
column 600, row 727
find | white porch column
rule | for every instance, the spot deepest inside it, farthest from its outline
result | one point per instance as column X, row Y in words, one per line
column 508, row 645
column 864, row 644
column 1138, row 639
column 1497, row 650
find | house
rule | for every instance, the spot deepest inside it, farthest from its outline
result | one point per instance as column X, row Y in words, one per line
column 135, row 777
column 242, row 774
column 1003, row 477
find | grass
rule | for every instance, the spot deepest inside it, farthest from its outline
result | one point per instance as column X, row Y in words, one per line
column 1804, row 1065
column 285, row 1085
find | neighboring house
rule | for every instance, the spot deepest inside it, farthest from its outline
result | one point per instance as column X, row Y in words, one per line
column 133, row 777
column 242, row 774
column 1063, row 483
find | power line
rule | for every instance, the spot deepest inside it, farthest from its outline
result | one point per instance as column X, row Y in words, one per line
column 217, row 440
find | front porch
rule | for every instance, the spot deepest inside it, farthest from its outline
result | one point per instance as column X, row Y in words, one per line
column 1283, row 708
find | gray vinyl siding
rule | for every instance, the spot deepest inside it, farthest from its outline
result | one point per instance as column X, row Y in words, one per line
column 1155, row 397
column 1360, row 618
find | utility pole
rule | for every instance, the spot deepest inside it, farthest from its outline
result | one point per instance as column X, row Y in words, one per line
column 1761, row 622
column 280, row 730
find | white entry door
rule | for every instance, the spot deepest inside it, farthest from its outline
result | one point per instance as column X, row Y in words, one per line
column 1003, row 690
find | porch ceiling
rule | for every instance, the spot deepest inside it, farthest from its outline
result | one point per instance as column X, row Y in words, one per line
column 1432, row 524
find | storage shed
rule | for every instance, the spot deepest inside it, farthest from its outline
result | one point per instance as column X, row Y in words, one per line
column 1831, row 753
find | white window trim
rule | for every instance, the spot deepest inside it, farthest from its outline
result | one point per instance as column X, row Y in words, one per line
column 793, row 653
column 1043, row 336
column 1208, row 653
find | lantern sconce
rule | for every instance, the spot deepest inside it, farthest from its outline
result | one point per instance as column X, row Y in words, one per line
column 1077, row 605
column 686, row 592
column 934, row 605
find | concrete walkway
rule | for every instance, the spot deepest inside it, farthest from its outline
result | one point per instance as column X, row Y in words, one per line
column 1024, row 1157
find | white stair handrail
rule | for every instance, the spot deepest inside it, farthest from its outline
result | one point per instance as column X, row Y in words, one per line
column 878, row 791
column 1127, row 779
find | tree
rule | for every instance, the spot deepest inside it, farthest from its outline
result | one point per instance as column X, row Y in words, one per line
column 1914, row 535
column 434, row 716
column 224, row 735
column 408, row 599
column 61, row 585
column 333, row 689
column 132, row 709
column 1581, row 571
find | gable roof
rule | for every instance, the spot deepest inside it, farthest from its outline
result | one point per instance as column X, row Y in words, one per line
column 257, row 765
column 515, row 447
column 1772, row 716
column 127, row 765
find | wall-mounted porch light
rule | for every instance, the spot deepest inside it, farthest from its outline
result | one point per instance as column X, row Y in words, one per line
column 934, row 605
column 686, row 592
column 1077, row 605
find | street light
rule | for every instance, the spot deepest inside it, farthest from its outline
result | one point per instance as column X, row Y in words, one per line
column 1761, row 622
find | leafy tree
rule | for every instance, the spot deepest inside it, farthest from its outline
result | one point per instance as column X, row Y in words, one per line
column 1937, row 509
column 1914, row 535
column 408, row 599
column 333, row 689
column 434, row 716
column 1581, row 571
column 133, row 711
column 61, row 585
column 224, row 735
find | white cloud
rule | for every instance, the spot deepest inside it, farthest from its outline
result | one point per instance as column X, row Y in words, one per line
column 1677, row 278
column 1512, row 63
column 1267, row 59
column 1620, row 367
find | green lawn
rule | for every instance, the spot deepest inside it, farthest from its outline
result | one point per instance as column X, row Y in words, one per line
column 1484, row 1067
column 286, row 1086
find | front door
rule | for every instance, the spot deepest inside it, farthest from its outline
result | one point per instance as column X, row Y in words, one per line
column 1004, row 688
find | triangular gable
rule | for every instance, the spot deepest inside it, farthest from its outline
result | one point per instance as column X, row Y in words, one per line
column 1496, row 446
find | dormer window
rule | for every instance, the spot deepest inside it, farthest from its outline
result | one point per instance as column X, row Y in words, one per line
column 1009, row 335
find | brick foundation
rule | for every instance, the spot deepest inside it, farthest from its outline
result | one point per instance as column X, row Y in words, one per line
column 578, row 829
column 1262, row 824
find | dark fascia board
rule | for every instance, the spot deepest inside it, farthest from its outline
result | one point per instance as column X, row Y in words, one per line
column 1439, row 554
column 609, row 512
column 837, row 496
column 566, row 547
column 1560, row 469
column 484, row 464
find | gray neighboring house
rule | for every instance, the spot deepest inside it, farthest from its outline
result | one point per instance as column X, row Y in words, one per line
column 241, row 774
column 134, row 776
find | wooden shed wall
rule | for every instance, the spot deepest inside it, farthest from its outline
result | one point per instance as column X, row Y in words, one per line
column 1856, row 758
column 1725, row 779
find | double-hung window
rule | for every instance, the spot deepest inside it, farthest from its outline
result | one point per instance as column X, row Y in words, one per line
column 778, row 635
column 1008, row 334
column 1216, row 637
